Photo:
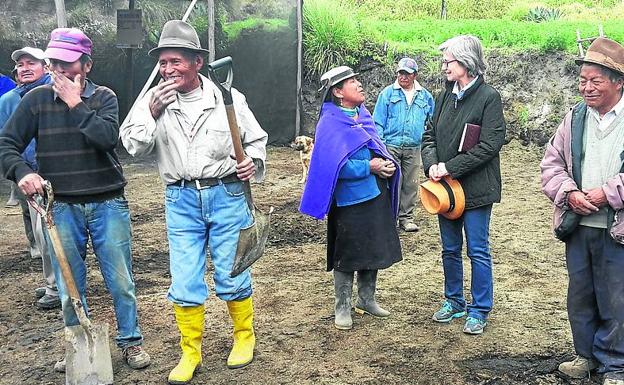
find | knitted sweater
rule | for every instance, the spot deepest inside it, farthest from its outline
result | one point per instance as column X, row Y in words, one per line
column 75, row 148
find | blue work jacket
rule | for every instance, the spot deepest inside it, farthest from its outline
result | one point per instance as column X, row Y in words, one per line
column 398, row 123
column 355, row 182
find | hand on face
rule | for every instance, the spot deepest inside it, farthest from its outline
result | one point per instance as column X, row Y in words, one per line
column 164, row 94
column 68, row 90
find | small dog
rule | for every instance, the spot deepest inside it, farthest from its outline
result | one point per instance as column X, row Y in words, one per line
column 304, row 144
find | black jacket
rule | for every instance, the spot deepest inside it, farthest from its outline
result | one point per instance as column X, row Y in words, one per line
column 478, row 170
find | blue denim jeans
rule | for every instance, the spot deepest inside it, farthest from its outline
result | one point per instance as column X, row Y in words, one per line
column 199, row 219
column 108, row 225
column 476, row 224
column 595, row 265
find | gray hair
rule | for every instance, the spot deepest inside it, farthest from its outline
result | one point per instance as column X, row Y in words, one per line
column 468, row 51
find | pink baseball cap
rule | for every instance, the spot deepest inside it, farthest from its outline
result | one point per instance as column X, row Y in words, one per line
column 68, row 44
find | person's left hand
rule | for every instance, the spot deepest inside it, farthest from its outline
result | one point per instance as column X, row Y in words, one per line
column 246, row 169
column 69, row 91
column 596, row 197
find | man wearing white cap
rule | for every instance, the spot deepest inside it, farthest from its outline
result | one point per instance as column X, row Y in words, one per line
column 401, row 113
column 78, row 118
column 31, row 72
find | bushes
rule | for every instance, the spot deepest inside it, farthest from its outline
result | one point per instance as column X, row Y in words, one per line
column 332, row 34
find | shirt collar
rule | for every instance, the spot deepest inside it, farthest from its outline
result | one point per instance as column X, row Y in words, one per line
column 87, row 91
column 417, row 86
column 460, row 94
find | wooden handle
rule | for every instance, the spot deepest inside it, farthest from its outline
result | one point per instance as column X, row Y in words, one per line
column 63, row 263
column 236, row 138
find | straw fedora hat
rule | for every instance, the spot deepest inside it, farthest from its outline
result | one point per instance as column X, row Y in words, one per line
column 178, row 34
column 445, row 197
column 605, row 52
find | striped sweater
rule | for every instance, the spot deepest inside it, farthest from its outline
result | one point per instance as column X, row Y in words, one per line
column 75, row 148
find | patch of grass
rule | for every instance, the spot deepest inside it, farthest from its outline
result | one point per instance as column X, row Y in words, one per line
column 426, row 35
column 332, row 34
column 233, row 29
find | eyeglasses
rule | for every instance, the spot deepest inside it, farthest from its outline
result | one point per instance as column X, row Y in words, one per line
column 447, row 62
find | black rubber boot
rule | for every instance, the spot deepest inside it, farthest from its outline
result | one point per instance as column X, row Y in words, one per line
column 367, row 284
column 343, row 286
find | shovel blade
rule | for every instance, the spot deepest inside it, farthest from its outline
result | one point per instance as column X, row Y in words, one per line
column 251, row 242
column 87, row 355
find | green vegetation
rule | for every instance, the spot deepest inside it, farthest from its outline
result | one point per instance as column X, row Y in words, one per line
column 233, row 29
column 345, row 31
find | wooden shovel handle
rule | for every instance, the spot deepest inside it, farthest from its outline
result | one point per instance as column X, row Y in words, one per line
column 61, row 258
column 236, row 138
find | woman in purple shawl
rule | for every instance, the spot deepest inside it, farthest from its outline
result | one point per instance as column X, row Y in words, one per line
column 354, row 181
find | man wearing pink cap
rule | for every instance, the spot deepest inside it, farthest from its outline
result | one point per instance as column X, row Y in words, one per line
column 76, row 119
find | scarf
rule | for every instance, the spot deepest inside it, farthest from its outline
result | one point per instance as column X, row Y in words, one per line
column 24, row 88
column 338, row 137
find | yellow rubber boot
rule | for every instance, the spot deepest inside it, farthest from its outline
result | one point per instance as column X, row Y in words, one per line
column 190, row 320
column 244, row 338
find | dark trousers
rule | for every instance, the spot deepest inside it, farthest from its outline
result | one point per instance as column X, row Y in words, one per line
column 596, row 297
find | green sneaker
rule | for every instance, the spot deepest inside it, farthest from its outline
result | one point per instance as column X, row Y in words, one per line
column 474, row 326
column 447, row 313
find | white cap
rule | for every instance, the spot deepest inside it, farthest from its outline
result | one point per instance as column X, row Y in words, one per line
column 333, row 77
column 34, row 52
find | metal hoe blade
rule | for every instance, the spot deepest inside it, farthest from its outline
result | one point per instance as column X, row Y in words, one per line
column 87, row 355
column 251, row 242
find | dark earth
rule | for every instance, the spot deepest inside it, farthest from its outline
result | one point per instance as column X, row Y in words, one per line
column 527, row 335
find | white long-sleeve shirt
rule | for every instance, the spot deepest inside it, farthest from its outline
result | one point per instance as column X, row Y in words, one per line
column 201, row 151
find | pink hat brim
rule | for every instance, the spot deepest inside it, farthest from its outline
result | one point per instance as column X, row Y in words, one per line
column 62, row 54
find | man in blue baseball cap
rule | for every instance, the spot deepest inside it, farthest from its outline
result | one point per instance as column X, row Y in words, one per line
column 401, row 113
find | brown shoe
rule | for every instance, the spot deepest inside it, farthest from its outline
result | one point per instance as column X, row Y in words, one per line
column 136, row 357
column 580, row 367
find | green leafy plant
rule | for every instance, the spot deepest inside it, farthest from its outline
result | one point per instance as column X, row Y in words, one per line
column 542, row 14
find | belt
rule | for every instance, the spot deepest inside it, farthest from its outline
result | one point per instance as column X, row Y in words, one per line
column 206, row 182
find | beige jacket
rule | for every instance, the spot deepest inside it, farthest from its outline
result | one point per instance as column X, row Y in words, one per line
column 207, row 154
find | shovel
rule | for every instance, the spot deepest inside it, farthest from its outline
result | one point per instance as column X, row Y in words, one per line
column 252, row 239
column 87, row 353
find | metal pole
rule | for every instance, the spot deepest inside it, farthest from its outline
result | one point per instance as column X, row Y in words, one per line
column 211, row 31
column 299, row 66
column 129, row 70
column 61, row 17
column 150, row 79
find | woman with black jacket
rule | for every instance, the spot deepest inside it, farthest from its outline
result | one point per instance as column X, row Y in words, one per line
column 467, row 99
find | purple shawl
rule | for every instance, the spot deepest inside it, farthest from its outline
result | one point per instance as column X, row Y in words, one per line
column 337, row 138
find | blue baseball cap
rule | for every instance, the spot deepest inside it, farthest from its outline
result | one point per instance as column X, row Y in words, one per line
column 408, row 65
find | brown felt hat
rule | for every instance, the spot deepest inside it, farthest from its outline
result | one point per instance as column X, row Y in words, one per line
column 178, row 34
column 605, row 52
column 444, row 197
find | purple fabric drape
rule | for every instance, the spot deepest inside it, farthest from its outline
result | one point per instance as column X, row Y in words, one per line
column 337, row 138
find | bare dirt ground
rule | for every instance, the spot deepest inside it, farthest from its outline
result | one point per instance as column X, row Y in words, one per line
column 527, row 335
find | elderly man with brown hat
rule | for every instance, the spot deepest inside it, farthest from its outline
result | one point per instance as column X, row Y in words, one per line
column 583, row 174
column 183, row 120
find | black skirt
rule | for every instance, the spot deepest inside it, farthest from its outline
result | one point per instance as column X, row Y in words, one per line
column 363, row 236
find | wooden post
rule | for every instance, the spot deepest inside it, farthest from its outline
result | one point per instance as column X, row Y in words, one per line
column 299, row 67
column 211, row 31
column 443, row 10
column 61, row 17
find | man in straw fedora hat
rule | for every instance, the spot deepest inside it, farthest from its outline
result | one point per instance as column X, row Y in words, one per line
column 582, row 174
column 183, row 119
